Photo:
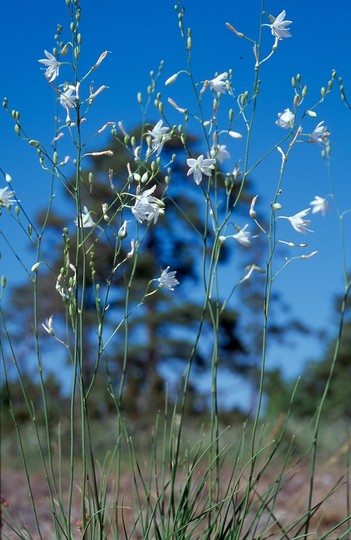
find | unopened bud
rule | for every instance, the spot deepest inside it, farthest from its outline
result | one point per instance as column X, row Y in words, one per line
column 3, row 281
column 310, row 255
column 322, row 91
column 232, row 29
column 312, row 114
column 304, row 91
column 122, row 233
column 296, row 100
column 172, row 79
column 8, row 178
column 252, row 212
column 35, row 266
column 139, row 98
column 276, row 206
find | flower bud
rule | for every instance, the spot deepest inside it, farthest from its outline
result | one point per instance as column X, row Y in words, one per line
column 3, row 281
column 252, row 212
column 322, row 91
column 139, row 98
column 312, row 114
column 122, row 233
column 296, row 100
column 35, row 143
column 35, row 266
column 304, row 91
column 172, row 79
column 276, row 206
column 8, row 178
column 64, row 50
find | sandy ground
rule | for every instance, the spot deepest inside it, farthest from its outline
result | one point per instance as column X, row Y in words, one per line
column 291, row 503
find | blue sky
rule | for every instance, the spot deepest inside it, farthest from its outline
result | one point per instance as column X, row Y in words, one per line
column 139, row 35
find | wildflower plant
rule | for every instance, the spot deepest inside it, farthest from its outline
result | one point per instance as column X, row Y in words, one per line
column 178, row 490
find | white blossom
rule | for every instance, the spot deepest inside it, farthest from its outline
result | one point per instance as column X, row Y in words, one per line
column 159, row 135
column 48, row 326
column 85, row 220
column 219, row 83
column 52, row 68
column 219, row 152
column 243, row 236
column 286, row 119
column 68, row 99
column 167, row 279
column 200, row 166
column 320, row 134
column 147, row 207
column 298, row 222
column 320, row 205
column 278, row 27
column 5, row 197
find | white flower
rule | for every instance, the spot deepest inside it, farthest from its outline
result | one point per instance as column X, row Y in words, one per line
column 168, row 280
column 320, row 134
column 68, row 99
column 298, row 221
column 86, row 220
column 278, row 27
column 286, row 119
column 200, row 166
column 5, row 197
column 219, row 152
column 243, row 236
column 52, row 66
column 48, row 326
column 159, row 135
column 147, row 207
column 319, row 205
column 236, row 172
column 219, row 83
